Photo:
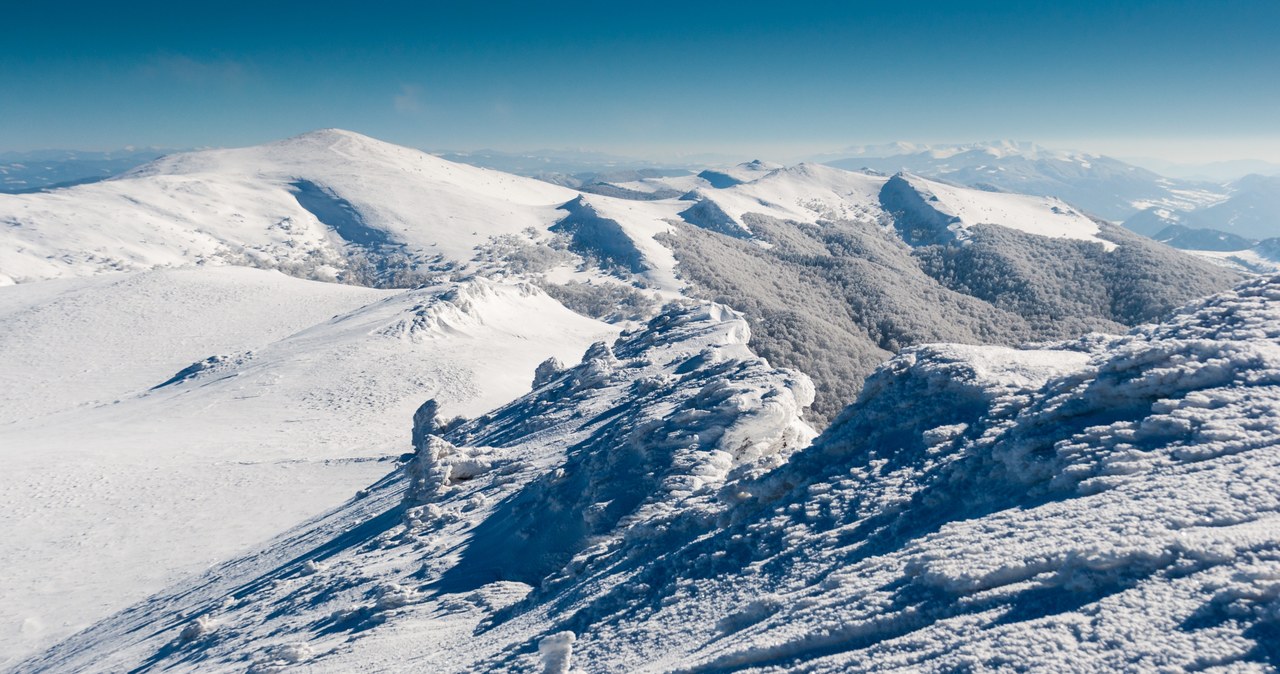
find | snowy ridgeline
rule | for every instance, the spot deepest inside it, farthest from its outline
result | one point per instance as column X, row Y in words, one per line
column 336, row 205
column 1102, row 504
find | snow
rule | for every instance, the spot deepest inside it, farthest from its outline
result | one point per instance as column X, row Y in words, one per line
column 1100, row 504
column 661, row 392
column 315, row 389
column 659, row 503
column 1043, row 216
column 307, row 204
column 557, row 653
column 1251, row 261
column 220, row 206
column 641, row 221
column 813, row 193
column 803, row 193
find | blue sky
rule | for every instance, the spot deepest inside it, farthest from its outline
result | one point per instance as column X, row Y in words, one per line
column 1172, row 79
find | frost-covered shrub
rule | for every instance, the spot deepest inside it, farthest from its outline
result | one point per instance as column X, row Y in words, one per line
column 1062, row 286
column 835, row 300
column 611, row 302
column 376, row 267
column 521, row 255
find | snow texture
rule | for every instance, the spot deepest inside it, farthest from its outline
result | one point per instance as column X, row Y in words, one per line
column 1106, row 503
column 177, row 416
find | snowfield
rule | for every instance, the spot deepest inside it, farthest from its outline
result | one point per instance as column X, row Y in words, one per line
column 168, row 419
column 1100, row 504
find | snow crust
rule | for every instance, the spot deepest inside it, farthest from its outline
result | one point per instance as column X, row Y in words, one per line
column 1101, row 504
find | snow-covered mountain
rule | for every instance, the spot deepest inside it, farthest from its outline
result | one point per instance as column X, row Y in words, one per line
column 874, row 263
column 1098, row 504
column 303, row 204
column 337, row 205
column 181, row 377
column 1103, row 186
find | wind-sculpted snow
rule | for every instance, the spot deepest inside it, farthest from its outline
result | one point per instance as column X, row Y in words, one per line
column 639, row 445
column 180, row 416
column 1111, row 506
column 1102, row 504
column 675, row 412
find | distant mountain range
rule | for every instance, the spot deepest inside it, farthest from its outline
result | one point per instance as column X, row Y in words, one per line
column 1103, row 186
column 1251, row 212
column 45, row 169
column 1218, row 171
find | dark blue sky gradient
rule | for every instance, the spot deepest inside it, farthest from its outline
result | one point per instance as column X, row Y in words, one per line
column 645, row 78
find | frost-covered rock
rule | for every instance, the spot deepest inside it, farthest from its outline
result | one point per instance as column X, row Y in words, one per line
column 547, row 370
column 557, row 653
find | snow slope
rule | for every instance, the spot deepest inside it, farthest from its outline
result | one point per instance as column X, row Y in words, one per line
column 813, row 193
column 168, row 419
column 335, row 205
column 1263, row 258
column 803, row 193
column 937, row 206
column 1252, row 211
column 1101, row 504
column 247, row 206
column 598, row 456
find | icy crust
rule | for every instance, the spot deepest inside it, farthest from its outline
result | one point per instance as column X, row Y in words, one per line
column 663, row 423
column 1111, row 507
column 635, row 449
column 463, row 307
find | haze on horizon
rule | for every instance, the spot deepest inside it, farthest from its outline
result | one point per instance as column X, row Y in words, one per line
column 1174, row 80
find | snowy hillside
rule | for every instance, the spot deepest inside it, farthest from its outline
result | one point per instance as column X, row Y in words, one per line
column 299, row 204
column 334, row 205
column 1104, row 503
column 935, row 212
column 813, row 193
column 266, row 398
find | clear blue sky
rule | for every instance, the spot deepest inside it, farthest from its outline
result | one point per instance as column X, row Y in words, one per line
column 1163, row 78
